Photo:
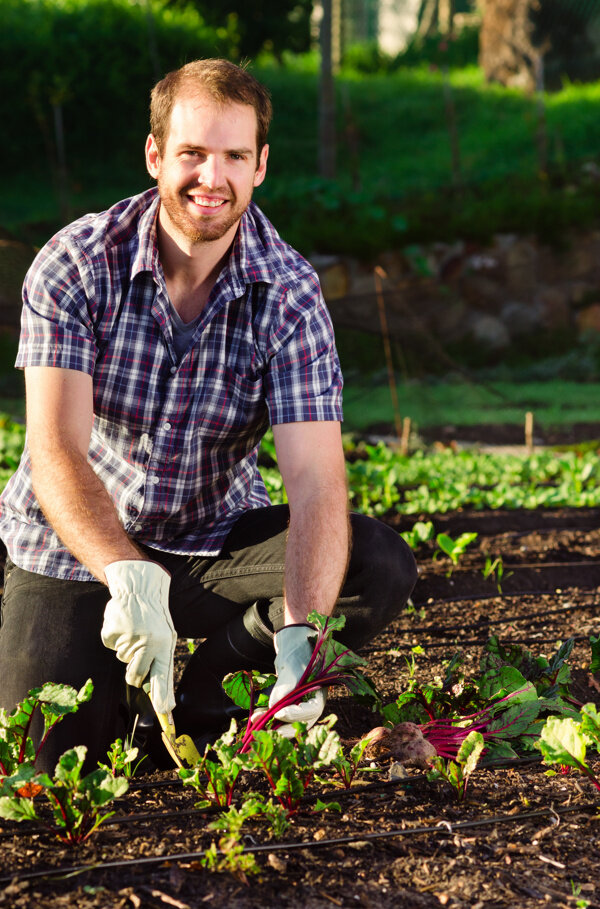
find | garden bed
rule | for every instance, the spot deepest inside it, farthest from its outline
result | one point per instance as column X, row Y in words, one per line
column 520, row 838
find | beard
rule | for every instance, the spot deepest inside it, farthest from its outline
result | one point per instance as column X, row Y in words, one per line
column 199, row 228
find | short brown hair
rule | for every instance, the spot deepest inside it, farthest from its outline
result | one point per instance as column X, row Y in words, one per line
column 223, row 81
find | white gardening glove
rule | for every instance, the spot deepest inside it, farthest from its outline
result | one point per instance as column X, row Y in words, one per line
column 138, row 625
column 293, row 652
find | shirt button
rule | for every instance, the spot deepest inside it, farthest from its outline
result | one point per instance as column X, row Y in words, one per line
column 153, row 480
column 173, row 370
column 138, row 527
column 166, row 426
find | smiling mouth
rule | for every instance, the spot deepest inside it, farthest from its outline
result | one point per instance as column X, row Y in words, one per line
column 203, row 202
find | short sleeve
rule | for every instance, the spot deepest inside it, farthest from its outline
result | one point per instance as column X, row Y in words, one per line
column 304, row 379
column 56, row 328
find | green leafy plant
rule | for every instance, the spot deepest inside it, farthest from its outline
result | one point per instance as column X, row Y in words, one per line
column 494, row 568
column 331, row 664
column 346, row 768
column 581, row 902
column 421, row 532
column 457, row 772
column 506, row 704
column 411, row 610
column 454, row 549
column 54, row 702
column 76, row 800
column 564, row 741
column 550, row 675
column 121, row 757
column 216, row 775
column 411, row 662
column 595, row 661
column 289, row 765
column 228, row 853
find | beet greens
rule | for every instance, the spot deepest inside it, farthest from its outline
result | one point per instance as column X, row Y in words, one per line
column 507, row 704
column 330, row 664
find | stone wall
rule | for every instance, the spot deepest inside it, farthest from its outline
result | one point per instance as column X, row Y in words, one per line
column 516, row 289
column 15, row 259
column 496, row 296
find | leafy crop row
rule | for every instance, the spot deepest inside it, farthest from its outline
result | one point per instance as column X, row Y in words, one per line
column 518, row 702
column 382, row 480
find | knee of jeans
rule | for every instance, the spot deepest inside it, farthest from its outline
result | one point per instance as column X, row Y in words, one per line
column 388, row 568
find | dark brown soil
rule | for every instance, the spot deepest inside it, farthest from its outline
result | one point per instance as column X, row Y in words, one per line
column 521, row 838
column 509, row 434
column 534, row 839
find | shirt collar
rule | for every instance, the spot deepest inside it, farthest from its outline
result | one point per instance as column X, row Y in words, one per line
column 249, row 262
column 251, row 257
column 146, row 256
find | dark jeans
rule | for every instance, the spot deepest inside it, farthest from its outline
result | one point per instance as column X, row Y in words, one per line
column 50, row 629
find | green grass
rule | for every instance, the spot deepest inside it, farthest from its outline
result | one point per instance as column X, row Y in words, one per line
column 556, row 403
column 402, row 162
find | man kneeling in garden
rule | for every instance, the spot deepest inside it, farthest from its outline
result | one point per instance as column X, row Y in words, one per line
column 159, row 340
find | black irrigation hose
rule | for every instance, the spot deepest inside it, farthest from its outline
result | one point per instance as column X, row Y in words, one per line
column 444, row 827
column 451, row 637
column 518, row 595
column 139, row 785
column 451, row 630
column 114, row 821
column 323, row 795
column 534, row 566
column 526, row 617
column 481, row 642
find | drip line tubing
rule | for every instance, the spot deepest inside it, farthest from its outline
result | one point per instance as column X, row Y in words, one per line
column 323, row 795
column 444, row 827
column 481, row 642
column 435, row 601
column 524, row 617
column 139, row 785
column 570, row 528
column 475, row 642
column 576, row 563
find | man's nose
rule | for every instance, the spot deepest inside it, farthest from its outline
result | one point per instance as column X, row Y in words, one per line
column 211, row 172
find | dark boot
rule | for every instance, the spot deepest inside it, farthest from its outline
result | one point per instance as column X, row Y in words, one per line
column 203, row 710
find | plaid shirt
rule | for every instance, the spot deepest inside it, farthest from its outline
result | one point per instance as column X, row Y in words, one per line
column 174, row 441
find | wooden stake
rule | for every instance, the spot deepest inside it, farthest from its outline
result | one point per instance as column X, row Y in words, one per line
column 405, row 436
column 379, row 274
column 529, row 431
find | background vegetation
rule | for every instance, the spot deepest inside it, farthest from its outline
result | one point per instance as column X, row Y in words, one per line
column 77, row 74
column 427, row 150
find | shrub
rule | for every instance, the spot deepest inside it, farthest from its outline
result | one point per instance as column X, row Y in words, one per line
column 98, row 59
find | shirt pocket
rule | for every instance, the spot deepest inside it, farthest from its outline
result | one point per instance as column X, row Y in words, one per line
column 231, row 405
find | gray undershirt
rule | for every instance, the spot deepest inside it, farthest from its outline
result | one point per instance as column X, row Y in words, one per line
column 182, row 332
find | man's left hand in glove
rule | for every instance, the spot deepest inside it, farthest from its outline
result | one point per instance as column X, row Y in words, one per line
column 293, row 649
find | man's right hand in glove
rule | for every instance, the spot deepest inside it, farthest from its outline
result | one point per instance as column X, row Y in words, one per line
column 138, row 626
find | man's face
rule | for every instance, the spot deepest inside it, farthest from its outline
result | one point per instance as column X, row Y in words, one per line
column 208, row 168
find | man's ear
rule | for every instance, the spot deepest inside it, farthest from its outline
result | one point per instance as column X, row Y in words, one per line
column 152, row 157
column 261, row 170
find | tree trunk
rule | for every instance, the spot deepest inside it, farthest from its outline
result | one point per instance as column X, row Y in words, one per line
column 506, row 52
column 327, row 96
column 429, row 18
column 446, row 16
